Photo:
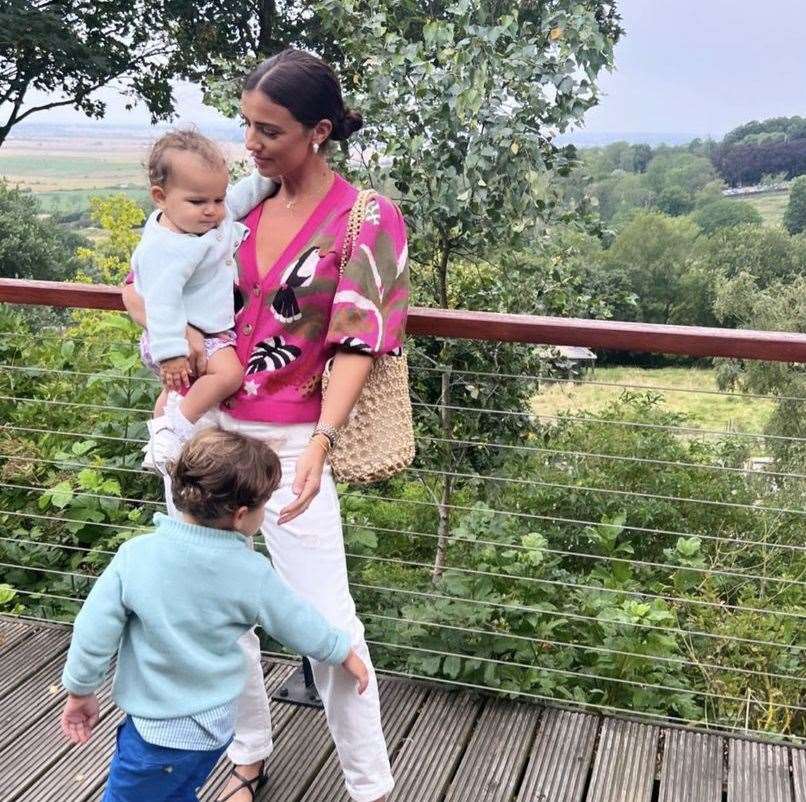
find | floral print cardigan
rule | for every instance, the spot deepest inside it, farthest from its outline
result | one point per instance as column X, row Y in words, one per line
column 300, row 313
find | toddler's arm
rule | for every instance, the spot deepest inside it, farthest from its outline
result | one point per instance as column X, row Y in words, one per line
column 245, row 194
column 296, row 624
column 96, row 633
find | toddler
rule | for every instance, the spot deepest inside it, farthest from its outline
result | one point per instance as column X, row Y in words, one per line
column 172, row 605
column 184, row 268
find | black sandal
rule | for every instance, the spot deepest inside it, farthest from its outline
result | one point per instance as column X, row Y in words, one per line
column 253, row 785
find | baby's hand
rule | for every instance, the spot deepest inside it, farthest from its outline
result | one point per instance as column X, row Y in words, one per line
column 175, row 373
column 79, row 716
column 354, row 666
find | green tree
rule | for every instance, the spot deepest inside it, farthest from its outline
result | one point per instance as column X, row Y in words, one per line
column 654, row 252
column 795, row 214
column 769, row 255
column 458, row 99
column 31, row 245
column 70, row 50
column 674, row 201
column 725, row 213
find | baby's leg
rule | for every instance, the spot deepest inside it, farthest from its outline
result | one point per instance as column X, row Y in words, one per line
column 223, row 378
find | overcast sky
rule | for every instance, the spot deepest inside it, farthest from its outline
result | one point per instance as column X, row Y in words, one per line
column 688, row 66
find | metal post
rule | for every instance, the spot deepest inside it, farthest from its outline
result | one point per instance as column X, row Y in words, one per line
column 299, row 688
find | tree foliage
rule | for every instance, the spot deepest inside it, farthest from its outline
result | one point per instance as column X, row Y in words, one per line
column 31, row 245
column 745, row 164
column 725, row 213
column 654, row 252
column 70, row 50
column 795, row 214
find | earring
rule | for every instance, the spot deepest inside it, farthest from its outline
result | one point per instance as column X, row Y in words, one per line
column 316, row 147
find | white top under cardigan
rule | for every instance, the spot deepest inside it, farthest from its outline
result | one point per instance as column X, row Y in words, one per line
column 186, row 278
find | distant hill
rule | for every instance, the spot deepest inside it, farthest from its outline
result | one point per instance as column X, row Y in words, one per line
column 102, row 129
column 591, row 139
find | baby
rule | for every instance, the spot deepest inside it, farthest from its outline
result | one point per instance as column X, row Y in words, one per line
column 172, row 605
column 184, row 268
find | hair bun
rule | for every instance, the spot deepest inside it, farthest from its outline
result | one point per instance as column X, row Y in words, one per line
column 351, row 122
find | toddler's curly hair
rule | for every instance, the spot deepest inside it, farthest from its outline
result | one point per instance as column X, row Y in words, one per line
column 181, row 139
column 219, row 471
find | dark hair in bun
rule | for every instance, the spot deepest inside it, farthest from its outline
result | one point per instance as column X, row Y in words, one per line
column 308, row 88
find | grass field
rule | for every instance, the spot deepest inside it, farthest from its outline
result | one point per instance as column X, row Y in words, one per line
column 41, row 173
column 705, row 411
column 770, row 206
column 74, row 201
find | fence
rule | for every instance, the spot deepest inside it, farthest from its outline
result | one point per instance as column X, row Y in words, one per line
column 562, row 540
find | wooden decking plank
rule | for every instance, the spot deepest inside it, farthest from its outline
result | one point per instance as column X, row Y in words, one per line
column 758, row 772
column 12, row 633
column 44, row 739
column 81, row 772
column 274, row 674
column 493, row 761
column 692, row 767
column 300, row 751
column 799, row 773
column 560, row 758
column 27, row 658
column 428, row 757
column 400, row 703
column 624, row 767
column 31, row 700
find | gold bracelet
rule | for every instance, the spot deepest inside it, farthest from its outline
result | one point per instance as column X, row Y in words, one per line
column 324, row 442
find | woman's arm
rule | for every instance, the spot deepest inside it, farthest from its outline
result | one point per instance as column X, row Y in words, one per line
column 347, row 378
column 136, row 307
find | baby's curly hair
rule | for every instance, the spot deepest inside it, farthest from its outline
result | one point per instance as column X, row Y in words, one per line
column 218, row 471
column 181, row 139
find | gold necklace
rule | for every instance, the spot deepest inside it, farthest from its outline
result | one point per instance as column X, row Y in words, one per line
column 291, row 204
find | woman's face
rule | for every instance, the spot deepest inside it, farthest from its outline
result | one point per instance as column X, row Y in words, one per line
column 278, row 143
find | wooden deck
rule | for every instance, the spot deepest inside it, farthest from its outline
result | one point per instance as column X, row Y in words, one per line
column 445, row 745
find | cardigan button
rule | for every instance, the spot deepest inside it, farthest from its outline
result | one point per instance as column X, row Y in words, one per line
column 247, row 329
column 228, row 404
column 256, row 290
column 228, row 262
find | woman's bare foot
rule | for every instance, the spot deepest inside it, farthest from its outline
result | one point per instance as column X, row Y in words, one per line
column 242, row 783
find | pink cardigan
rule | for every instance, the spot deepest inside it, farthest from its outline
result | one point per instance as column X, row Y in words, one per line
column 296, row 317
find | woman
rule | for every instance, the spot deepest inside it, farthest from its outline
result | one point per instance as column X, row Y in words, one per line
column 298, row 313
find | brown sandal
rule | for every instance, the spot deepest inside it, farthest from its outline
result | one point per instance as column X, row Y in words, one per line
column 253, row 785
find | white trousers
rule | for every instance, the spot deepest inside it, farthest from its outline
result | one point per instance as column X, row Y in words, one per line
column 308, row 553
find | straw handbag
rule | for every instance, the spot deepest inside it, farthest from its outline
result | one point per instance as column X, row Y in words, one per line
column 378, row 439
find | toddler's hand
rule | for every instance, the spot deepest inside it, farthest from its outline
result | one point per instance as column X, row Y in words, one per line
column 175, row 373
column 354, row 666
column 79, row 716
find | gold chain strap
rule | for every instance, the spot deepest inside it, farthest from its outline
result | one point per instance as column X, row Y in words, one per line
column 356, row 218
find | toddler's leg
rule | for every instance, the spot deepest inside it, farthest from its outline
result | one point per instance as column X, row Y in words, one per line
column 142, row 771
column 223, row 378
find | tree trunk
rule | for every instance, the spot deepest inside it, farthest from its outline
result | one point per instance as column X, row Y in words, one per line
column 265, row 41
column 443, row 506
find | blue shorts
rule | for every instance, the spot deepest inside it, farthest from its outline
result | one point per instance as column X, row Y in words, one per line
column 142, row 771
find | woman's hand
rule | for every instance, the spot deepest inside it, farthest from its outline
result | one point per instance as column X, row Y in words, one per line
column 197, row 359
column 307, row 478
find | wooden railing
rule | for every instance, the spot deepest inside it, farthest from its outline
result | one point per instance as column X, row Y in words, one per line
column 613, row 335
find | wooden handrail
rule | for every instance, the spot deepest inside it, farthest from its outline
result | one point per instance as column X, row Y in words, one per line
column 613, row 335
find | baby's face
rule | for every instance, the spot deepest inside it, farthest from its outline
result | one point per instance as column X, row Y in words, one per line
column 193, row 199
